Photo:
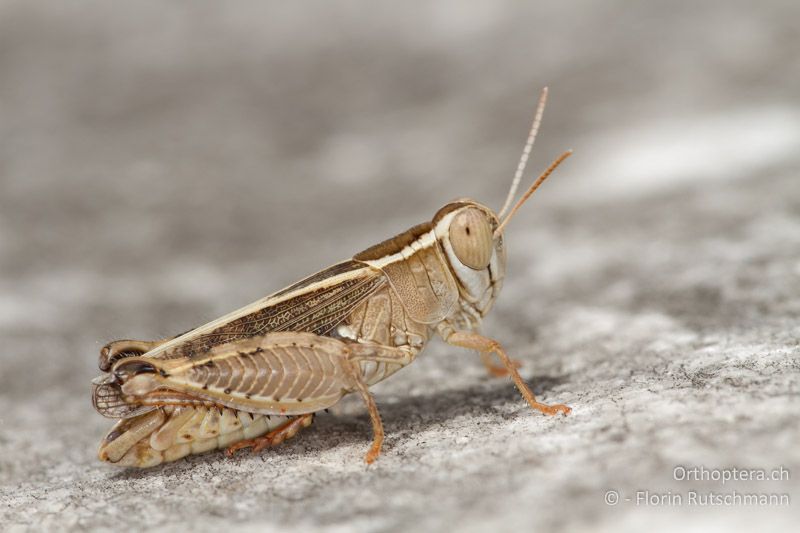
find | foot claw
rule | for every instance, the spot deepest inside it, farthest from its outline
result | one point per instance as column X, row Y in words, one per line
column 372, row 454
column 555, row 409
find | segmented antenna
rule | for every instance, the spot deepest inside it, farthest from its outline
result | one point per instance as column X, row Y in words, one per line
column 531, row 190
column 523, row 160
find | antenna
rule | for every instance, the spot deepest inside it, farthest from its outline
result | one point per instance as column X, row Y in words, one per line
column 531, row 190
column 523, row 160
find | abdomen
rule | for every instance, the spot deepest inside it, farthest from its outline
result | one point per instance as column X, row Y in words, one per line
column 170, row 432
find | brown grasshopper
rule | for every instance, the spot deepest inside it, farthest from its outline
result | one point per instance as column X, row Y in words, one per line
column 256, row 376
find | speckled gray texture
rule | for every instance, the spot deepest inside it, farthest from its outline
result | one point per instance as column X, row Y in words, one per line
column 162, row 163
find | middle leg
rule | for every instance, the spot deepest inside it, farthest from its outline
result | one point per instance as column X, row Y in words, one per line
column 351, row 363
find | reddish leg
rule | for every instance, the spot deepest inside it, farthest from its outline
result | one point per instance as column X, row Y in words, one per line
column 350, row 364
column 473, row 341
column 274, row 437
column 354, row 370
column 496, row 370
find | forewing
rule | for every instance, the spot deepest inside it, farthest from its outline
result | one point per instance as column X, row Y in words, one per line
column 316, row 304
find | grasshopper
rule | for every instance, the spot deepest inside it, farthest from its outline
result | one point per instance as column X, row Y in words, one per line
column 256, row 376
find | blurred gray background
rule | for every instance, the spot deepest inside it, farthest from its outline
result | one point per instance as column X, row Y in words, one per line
column 162, row 163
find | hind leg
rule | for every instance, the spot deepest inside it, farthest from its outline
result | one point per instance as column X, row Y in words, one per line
column 116, row 350
column 274, row 437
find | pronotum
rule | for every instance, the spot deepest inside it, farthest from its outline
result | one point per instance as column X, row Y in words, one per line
column 256, row 376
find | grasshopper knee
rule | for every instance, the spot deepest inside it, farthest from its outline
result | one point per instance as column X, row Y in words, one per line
column 116, row 350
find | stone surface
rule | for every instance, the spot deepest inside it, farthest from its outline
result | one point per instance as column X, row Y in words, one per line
column 162, row 164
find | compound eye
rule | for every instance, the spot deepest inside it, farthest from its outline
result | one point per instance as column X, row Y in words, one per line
column 471, row 238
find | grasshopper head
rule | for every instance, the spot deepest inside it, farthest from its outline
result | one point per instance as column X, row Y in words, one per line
column 474, row 250
column 471, row 236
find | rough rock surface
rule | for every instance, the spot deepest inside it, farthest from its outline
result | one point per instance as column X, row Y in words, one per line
column 162, row 164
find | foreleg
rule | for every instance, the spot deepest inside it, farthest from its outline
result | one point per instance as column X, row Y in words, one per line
column 473, row 341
